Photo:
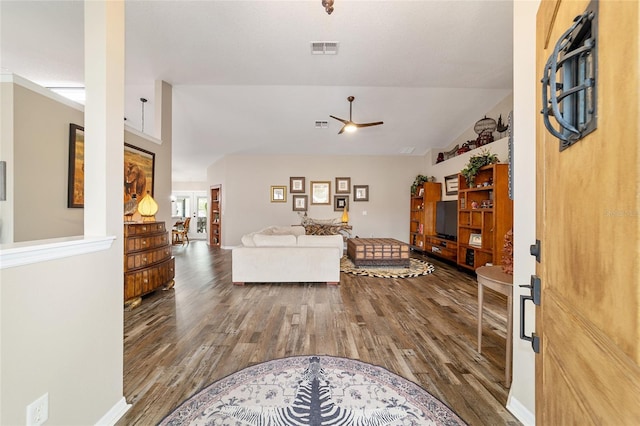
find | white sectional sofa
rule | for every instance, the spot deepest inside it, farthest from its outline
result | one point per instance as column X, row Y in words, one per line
column 286, row 254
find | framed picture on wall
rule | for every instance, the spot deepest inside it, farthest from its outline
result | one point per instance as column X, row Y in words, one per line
column 360, row 192
column 75, row 191
column 278, row 194
column 340, row 202
column 321, row 192
column 451, row 184
column 343, row 185
column 139, row 168
column 300, row 203
column 296, row 185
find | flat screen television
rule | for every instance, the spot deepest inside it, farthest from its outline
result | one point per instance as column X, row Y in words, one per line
column 447, row 219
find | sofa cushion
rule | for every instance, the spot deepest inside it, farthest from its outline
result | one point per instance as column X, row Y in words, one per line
column 247, row 240
column 282, row 230
column 322, row 241
column 262, row 240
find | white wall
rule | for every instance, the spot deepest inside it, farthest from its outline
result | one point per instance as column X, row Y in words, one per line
column 246, row 182
column 62, row 334
column 189, row 186
column 6, row 155
column 522, row 394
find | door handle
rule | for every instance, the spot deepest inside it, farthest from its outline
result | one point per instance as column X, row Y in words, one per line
column 535, row 297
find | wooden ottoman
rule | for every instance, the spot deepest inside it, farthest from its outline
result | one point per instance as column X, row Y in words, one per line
column 378, row 252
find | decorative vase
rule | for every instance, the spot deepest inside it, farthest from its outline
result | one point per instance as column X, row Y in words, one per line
column 345, row 215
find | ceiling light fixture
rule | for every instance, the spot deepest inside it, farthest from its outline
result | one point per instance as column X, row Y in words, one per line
column 328, row 6
column 350, row 128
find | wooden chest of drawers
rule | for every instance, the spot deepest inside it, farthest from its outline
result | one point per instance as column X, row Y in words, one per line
column 148, row 264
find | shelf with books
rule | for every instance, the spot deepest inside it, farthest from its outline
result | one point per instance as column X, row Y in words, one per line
column 215, row 217
column 423, row 214
column 485, row 214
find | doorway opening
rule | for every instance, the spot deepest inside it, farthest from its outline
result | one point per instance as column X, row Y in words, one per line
column 194, row 205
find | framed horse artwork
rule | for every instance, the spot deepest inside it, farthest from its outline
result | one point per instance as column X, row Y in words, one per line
column 139, row 169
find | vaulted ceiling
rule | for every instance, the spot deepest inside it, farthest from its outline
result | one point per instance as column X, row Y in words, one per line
column 245, row 81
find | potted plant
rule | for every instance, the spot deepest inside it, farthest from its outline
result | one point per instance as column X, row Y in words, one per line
column 477, row 161
column 419, row 181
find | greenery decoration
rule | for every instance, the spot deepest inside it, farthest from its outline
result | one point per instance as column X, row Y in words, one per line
column 419, row 181
column 477, row 161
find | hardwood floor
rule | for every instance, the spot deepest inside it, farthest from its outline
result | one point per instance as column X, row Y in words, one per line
column 424, row 329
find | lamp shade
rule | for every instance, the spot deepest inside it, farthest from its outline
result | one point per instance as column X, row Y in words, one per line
column 147, row 207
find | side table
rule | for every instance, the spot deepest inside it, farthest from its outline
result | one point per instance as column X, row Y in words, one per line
column 493, row 278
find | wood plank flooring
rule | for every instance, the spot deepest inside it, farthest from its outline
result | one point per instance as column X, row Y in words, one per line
column 424, row 329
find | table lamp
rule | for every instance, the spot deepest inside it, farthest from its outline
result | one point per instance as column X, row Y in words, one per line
column 147, row 207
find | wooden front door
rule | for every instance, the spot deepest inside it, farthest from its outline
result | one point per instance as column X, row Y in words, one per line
column 588, row 203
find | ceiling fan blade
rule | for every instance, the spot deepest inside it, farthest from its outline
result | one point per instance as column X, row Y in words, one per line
column 377, row 123
column 342, row 130
column 339, row 119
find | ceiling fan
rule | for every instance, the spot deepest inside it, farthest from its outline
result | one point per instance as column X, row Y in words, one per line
column 350, row 126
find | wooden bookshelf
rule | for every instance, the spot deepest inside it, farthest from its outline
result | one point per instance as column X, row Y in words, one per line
column 485, row 214
column 422, row 220
column 215, row 217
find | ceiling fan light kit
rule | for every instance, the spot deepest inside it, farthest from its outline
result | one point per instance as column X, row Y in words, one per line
column 349, row 125
column 350, row 128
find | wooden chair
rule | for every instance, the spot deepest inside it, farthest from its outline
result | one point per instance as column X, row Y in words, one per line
column 180, row 232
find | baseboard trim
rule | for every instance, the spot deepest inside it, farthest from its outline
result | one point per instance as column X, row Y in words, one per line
column 521, row 412
column 114, row 414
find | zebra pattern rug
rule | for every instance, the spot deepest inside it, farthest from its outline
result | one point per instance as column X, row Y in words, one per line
column 313, row 390
column 417, row 268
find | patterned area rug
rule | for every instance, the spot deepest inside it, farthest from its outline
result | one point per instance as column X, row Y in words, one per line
column 313, row 390
column 418, row 267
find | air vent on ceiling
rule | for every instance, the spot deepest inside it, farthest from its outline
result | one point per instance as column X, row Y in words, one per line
column 321, row 124
column 324, row 47
column 407, row 150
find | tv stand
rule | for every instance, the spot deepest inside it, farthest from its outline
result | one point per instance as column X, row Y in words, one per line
column 441, row 247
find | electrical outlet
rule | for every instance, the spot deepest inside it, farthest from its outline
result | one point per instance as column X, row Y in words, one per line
column 38, row 411
column 364, row 212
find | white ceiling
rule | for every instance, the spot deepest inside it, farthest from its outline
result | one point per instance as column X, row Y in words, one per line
column 245, row 82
